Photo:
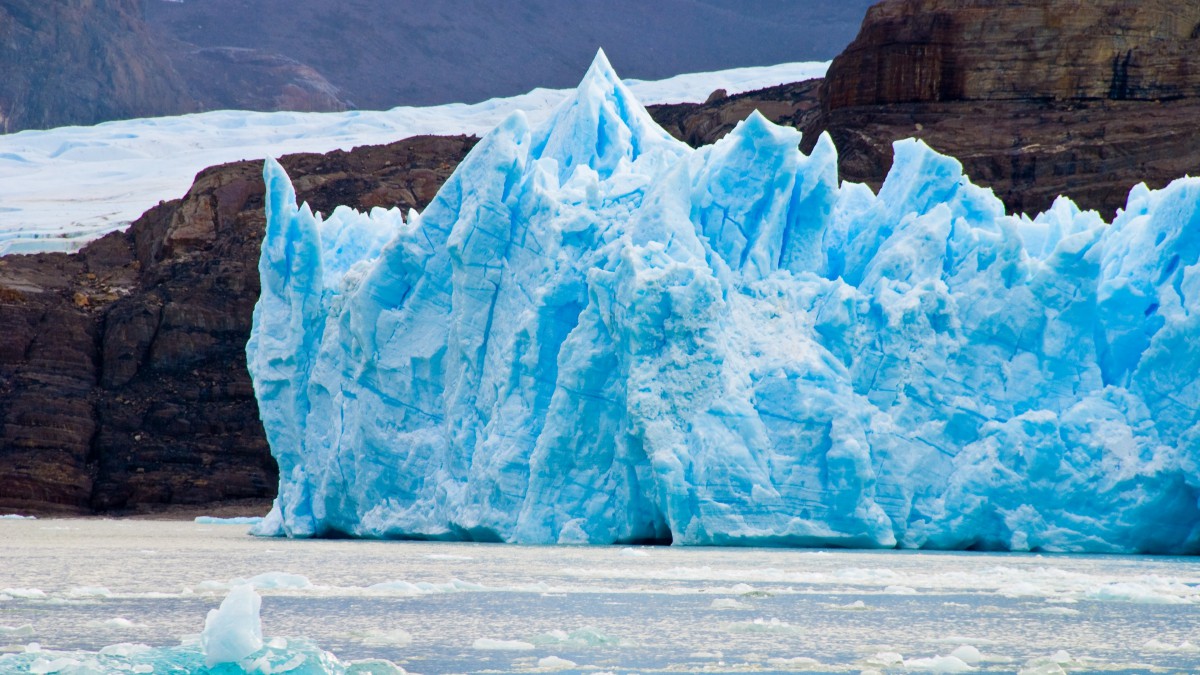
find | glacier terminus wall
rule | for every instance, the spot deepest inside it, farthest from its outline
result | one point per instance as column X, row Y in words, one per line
column 595, row 334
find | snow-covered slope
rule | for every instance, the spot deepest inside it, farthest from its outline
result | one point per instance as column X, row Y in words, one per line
column 64, row 187
column 595, row 334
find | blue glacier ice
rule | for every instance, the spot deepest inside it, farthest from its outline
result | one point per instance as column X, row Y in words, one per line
column 595, row 334
column 233, row 631
column 231, row 644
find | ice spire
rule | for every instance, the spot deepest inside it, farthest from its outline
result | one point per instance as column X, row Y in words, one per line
column 602, row 125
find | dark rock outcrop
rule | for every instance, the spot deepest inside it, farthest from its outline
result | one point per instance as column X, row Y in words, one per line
column 796, row 104
column 1037, row 97
column 922, row 51
column 123, row 382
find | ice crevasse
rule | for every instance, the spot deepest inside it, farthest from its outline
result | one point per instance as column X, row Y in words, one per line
column 595, row 334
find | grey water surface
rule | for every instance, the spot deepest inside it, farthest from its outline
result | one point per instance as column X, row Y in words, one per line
column 81, row 585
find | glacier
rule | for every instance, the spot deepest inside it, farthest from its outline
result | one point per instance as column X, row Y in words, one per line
column 595, row 334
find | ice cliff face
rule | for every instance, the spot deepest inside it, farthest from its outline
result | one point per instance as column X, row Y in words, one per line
column 595, row 334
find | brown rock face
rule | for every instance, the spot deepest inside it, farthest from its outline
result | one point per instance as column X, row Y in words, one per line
column 123, row 381
column 796, row 105
column 1036, row 97
column 986, row 50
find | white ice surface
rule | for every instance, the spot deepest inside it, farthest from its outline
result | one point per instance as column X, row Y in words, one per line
column 234, row 630
column 63, row 187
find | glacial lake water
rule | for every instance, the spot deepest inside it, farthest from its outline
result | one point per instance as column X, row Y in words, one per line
column 69, row 588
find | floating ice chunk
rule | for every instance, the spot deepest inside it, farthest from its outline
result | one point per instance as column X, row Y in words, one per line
column 578, row 639
column 856, row 606
column 729, row 603
column 1057, row 611
column 233, row 632
column 761, row 625
column 267, row 581
column 44, row 666
column 502, row 645
column 939, row 664
column 884, row 660
column 426, row 588
column 794, row 663
column 125, row 649
column 117, row 622
column 277, row 580
column 397, row 637
column 89, row 592
column 634, row 553
column 23, row 593
column 1132, row 591
column 961, row 640
column 1055, row 664
column 968, row 654
column 1024, row 589
column 22, row 631
column 1154, row 644
column 14, row 516
column 555, row 663
column 238, row 520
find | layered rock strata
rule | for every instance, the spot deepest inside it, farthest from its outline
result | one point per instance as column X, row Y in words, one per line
column 1037, row 98
column 123, row 382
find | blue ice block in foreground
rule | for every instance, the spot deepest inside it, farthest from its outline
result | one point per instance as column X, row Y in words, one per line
column 595, row 334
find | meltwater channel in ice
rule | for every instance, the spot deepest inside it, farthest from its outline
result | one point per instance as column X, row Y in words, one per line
column 595, row 334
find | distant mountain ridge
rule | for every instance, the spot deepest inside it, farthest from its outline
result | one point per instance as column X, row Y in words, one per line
column 410, row 52
column 81, row 62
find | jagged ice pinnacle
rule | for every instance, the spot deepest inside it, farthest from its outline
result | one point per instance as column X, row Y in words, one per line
column 595, row 334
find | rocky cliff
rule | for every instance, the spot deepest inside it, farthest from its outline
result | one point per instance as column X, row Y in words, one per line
column 1036, row 97
column 122, row 369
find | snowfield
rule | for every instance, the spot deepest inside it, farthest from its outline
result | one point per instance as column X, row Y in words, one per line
column 61, row 188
